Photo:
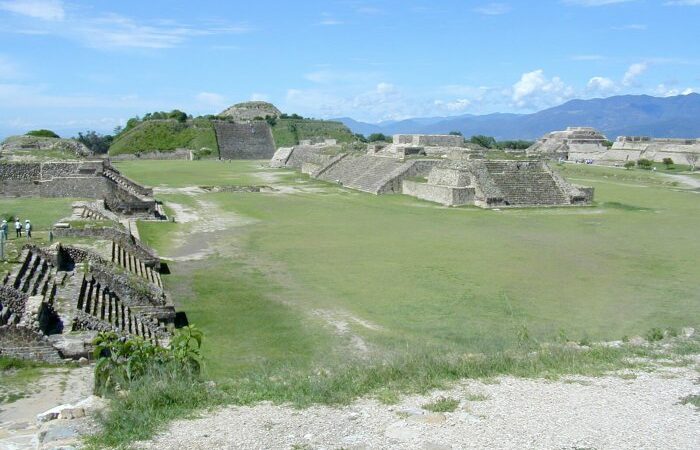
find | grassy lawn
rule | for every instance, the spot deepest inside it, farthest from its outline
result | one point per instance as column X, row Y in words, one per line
column 192, row 173
column 427, row 277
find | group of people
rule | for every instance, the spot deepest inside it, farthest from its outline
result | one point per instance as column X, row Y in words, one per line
column 27, row 227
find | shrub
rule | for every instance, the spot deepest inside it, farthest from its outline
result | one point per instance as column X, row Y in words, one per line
column 645, row 164
column 98, row 143
column 668, row 162
column 484, row 141
column 455, row 133
column 629, row 165
column 122, row 361
column 376, row 137
column 42, row 133
column 655, row 334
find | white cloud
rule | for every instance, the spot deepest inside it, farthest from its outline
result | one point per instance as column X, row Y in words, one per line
column 50, row 10
column 535, row 90
column 665, row 91
column 600, row 85
column 458, row 105
column 633, row 72
column 591, row 3
column 683, row 3
column 211, row 100
column 493, row 9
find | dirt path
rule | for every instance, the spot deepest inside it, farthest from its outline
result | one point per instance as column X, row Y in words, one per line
column 627, row 411
column 56, row 387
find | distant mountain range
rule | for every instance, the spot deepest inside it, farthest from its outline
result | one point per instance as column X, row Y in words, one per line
column 624, row 115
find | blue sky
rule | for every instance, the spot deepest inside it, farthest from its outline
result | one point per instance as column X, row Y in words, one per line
column 77, row 65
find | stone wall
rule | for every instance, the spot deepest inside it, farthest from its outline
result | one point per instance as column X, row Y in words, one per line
column 429, row 140
column 178, row 154
column 23, row 343
column 244, row 140
column 445, row 195
column 121, row 237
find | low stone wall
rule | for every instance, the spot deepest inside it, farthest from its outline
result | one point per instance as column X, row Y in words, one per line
column 23, row 343
column 445, row 195
column 179, row 154
column 429, row 140
column 13, row 299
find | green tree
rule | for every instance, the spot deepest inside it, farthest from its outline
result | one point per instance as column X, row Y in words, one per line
column 629, row 165
column 645, row 164
column 668, row 162
column 98, row 143
column 456, row 133
column 484, row 141
column 375, row 137
column 42, row 133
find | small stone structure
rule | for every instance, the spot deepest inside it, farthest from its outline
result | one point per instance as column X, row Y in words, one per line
column 633, row 148
column 246, row 111
column 497, row 183
column 244, row 140
column 452, row 179
column 24, row 145
column 432, row 145
column 572, row 144
column 58, row 298
column 79, row 179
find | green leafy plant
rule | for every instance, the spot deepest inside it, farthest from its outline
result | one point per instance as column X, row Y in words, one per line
column 655, row 334
column 629, row 165
column 645, row 164
column 442, row 404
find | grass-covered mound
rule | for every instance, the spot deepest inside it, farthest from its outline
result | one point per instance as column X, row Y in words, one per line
column 289, row 131
column 165, row 136
column 31, row 147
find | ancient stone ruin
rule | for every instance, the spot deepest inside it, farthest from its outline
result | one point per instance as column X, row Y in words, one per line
column 244, row 140
column 79, row 179
column 572, row 144
column 494, row 183
column 438, row 169
column 580, row 143
column 58, row 298
column 247, row 111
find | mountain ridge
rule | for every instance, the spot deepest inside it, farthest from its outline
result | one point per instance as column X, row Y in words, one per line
column 622, row 115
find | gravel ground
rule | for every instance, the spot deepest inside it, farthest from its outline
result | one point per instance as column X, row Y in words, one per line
column 622, row 411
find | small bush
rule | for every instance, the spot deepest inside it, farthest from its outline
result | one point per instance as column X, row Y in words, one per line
column 442, row 404
column 668, row 162
column 42, row 133
column 655, row 334
column 645, row 164
column 629, row 165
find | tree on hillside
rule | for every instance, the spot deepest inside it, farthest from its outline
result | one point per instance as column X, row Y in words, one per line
column 360, row 137
column 668, row 162
column 484, row 141
column 692, row 159
column 455, row 133
column 98, row 143
column 42, row 133
column 375, row 137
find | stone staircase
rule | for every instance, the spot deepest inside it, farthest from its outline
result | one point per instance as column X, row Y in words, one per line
column 24, row 343
column 525, row 183
column 35, row 277
column 123, row 258
column 252, row 140
column 102, row 309
column 140, row 192
column 364, row 173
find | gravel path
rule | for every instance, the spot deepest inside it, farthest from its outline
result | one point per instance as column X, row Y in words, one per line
column 613, row 412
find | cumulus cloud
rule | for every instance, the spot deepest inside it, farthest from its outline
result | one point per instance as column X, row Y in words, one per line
column 600, row 85
column 664, row 91
column 493, row 9
column 38, row 9
column 633, row 72
column 535, row 90
column 458, row 105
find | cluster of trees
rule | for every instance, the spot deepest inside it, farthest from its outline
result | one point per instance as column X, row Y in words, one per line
column 42, row 133
column 96, row 142
column 491, row 143
column 175, row 114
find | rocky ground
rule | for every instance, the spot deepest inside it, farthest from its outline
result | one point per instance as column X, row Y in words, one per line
column 625, row 410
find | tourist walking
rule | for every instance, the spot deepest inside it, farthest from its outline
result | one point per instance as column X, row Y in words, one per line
column 18, row 228
column 3, row 229
column 28, row 228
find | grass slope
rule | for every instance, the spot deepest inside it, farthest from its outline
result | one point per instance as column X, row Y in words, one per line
column 439, row 279
column 288, row 132
column 164, row 136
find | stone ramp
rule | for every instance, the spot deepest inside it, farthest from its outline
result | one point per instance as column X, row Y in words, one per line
column 123, row 258
column 251, row 140
column 525, row 183
column 35, row 276
column 364, row 173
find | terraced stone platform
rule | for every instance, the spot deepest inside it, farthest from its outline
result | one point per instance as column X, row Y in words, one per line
column 249, row 140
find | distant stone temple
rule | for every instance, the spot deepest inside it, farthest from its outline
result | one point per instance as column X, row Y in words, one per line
column 572, row 144
column 581, row 143
column 438, row 169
